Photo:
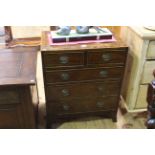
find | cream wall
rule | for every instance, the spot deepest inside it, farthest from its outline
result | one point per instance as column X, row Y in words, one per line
column 28, row 31
column 35, row 31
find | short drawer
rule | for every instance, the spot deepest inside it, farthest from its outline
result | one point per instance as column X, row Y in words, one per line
column 147, row 75
column 151, row 50
column 82, row 90
column 9, row 96
column 106, row 57
column 83, row 105
column 63, row 59
column 83, row 74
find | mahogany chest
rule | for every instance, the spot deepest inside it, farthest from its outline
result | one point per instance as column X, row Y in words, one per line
column 82, row 80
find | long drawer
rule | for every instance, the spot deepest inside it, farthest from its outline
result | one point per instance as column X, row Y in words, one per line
column 83, row 105
column 82, row 90
column 106, row 57
column 83, row 74
column 63, row 59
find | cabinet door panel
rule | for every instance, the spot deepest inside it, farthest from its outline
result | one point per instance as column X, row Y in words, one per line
column 9, row 96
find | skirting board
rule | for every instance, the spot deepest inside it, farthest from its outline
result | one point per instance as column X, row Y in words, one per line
column 128, row 110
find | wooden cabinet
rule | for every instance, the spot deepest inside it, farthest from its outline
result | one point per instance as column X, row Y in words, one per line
column 17, row 77
column 141, row 63
column 82, row 80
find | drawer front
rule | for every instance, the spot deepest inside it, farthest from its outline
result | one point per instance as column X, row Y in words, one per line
column 83, row 74
column 151, row 50
column 9, row 96
column 82, row 105
column 8, row 119
column 147, row 75
column 63, row 59
column 106, row 57
column 71, row 91
column 141, row 98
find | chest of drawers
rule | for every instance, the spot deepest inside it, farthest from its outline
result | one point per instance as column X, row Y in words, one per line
column 82, row 80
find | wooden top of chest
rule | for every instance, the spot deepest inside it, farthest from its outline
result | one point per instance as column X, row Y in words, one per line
column 18, row 66
column 46, row 47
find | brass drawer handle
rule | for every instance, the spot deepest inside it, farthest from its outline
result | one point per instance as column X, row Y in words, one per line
column 103, row 73
column 106, row 57
column 100, row 104
column 64, row 59
column 101, row 89
column 65, row 92
column 65, row 76
column 66, row 107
